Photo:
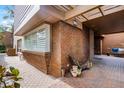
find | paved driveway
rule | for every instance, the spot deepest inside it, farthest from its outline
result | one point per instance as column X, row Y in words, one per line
column 33, row 78
column 106, row 72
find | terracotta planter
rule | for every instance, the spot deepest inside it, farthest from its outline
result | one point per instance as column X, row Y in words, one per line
column 11, row 52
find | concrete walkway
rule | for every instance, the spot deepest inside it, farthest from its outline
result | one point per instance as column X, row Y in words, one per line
column 106, row 72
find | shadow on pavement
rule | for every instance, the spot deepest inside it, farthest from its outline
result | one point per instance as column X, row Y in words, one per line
column 2, row 59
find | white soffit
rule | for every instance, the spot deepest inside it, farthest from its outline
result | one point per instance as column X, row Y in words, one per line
column 108, row 9
column 93, row 14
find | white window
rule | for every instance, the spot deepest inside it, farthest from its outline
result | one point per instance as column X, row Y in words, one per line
column 38, row 39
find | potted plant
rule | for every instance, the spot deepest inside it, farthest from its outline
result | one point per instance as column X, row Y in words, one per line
column 75, row 71
column 75, row 68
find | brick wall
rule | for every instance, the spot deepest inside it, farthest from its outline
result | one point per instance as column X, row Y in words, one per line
column 67, row 40
column 113, row 41
column 55, row 64
column 7, row 39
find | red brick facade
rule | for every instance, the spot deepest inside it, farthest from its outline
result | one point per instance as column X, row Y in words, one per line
column 67, row 40
column 7, row 39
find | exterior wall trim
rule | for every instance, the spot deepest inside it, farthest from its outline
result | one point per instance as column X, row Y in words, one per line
column 28, row 17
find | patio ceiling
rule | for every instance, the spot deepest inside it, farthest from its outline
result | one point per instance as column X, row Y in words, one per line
column 112, row 23
column 68, row 13
column 64, row 8
column 83, row 13
column 92, row 12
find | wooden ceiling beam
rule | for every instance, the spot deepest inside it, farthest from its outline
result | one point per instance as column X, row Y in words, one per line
column 58, row 8
column 70, row 6
column 65, row 7
column 80, row 10
column 84, row 17
column 101, row 11
column 77, row 19
column 62, row 8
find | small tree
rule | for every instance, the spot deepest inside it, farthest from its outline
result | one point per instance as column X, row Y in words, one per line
column 9, row 16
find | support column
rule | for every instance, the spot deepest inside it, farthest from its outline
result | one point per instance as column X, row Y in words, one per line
column 91, row 44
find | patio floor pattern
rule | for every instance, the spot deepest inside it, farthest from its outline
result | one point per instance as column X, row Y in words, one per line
column 107, row 72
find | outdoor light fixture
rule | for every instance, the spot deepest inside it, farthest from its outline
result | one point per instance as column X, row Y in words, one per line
column 75, row 22
column 103, row 35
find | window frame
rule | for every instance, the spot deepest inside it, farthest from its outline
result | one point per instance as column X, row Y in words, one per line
column 36, row 30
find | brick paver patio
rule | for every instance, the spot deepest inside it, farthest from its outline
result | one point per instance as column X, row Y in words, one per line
column 32, row 78
column 106, row 72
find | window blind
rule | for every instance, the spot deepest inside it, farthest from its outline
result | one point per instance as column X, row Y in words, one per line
column 38, row 41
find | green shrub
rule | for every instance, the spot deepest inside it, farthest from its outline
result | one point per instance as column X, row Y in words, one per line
column 9, row 77
column 2, row 48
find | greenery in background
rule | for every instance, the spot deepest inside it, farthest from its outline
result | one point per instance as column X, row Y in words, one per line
column 9, row 78
column 9, row 15
column 7, row 18
column 2, row 48
column 1, row 29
